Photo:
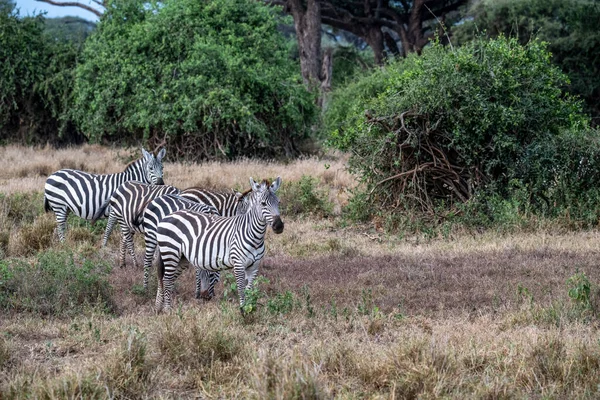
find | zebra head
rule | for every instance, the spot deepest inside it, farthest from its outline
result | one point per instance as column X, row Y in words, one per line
column 153, row 167
column 264, row 197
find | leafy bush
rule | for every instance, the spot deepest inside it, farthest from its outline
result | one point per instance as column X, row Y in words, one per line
column 303, row 197
column 213, row 79
column 57, row 284
column 36, row 75
column 431, row 132
column 569, row 27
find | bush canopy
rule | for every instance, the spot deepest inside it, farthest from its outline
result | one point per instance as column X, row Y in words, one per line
column 212, row 79
column 427, row 133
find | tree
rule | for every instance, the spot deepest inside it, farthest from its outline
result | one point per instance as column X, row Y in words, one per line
column 212, row 79
column 569, row 27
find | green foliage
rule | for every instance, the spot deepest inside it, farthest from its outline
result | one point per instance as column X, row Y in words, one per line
column 57, row 284
column 303, row 197
column 281, row 303
column 452, row 126
column 350, row 63
column 212, row 78
column 36, row 76
column 569, row 27
column 580, row 289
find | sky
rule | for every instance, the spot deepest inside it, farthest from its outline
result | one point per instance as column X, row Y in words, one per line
column 29, row 7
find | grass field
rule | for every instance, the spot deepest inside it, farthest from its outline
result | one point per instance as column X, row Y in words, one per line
column 344, row 311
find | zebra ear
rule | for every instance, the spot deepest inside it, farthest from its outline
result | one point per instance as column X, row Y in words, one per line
column 275, row 185
column 147, row 156
column 255, row 186
column 161, row 154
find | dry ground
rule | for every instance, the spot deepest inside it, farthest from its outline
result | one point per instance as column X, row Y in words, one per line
column 372, row 315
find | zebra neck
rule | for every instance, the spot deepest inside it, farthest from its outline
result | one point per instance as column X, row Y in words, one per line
column 134, row 172
column 256, row 222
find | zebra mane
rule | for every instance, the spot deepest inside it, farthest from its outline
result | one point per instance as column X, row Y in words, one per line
column 133, row 163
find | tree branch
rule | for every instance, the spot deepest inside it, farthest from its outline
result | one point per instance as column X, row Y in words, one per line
column 73, row 4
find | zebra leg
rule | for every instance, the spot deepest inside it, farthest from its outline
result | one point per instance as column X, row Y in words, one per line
column 169, row 282
column 127, row 241
column 240, row 278
column 61, row 220
column 205, row 285
column 148, row 256
column 251, row 273
column 213, row 279
column 112, row 219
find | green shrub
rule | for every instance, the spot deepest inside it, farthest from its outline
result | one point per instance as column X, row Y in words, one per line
column 56, row 284
column 432, row 132
column 212, row 78
column 569, row 27
column 303, row 197
column 36, row 81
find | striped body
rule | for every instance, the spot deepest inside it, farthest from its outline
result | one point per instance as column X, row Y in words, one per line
column 215, row 243
column 127, row 205
column 83, row 194
column 227, row 204
column 156, row 210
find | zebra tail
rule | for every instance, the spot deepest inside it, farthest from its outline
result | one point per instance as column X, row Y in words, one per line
column 46, row 204
column 100, row 212
column 160, row 269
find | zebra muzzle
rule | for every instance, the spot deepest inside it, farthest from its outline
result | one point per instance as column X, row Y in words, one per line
column 277, row 224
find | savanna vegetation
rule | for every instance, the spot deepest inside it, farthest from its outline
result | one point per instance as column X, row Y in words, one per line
column 440, row 164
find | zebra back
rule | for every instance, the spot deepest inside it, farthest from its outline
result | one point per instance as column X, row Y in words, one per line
column 129, row 201
column 227, row 204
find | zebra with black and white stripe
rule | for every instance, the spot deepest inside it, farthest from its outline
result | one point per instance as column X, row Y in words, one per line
column 221, row 203
column 216, row 243
column 127, row 205
column 83, row 193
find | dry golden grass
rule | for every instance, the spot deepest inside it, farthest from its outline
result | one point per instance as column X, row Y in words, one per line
column 373, row 316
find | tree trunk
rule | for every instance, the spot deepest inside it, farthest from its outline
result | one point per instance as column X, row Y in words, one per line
column 374, row 38
column 307, row 22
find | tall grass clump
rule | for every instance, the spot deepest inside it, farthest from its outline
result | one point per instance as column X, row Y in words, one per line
column 57, row 283
column 484, row 129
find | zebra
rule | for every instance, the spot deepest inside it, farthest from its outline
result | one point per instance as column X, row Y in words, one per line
column 83, row 193
column 127, row 205
column 224, row 204
column 216, row 243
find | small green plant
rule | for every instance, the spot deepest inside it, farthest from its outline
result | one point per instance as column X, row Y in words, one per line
column 523, row 294
column 254, row 295
column 229, row 287
column 367, row 306
column 580, row 289
column 281, row 303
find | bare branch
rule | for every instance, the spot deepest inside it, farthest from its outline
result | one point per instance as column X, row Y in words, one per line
column 73, row 4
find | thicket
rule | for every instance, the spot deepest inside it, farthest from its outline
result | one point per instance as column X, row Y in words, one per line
column 462, row 129
column 569, row 27
column 211, row 79
column 36, row 75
